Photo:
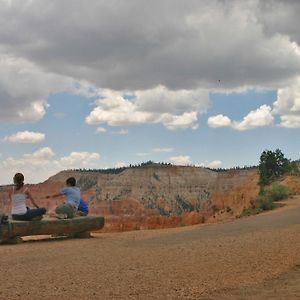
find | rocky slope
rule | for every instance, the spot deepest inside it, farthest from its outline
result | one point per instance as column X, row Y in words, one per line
column 155, row 195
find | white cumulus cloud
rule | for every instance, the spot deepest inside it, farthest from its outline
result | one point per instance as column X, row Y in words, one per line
column 218, row 121
column 175, row 110
column 214, row 164
column 184, row 121
column 260, row 117
column 41, row 164
column 42, row 153
column 210, row 164
column 32, row 162
column 287, row 105
column 290, row 121
column 181, row 160
column 162, row 100
column 25, row 137
column 117, row 111
column 75, row 159
column 121, row 164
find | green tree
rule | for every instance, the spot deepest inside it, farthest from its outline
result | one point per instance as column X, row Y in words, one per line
column 272, row 165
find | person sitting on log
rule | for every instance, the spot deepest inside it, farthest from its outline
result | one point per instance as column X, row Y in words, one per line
column 83, row 208
column 72, row 193
column 18, row 197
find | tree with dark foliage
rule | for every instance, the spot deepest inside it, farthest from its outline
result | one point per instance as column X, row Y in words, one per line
column 273, row 165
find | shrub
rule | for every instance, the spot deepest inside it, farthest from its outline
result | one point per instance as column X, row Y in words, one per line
column 277, row 192
column 253, row 209
column 265, row 200
column 249, row 211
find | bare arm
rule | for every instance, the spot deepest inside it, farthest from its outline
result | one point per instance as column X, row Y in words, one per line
column 10, row 195
column 53, row 196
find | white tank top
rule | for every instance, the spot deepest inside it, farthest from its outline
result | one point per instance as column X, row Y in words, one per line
column 18, row 202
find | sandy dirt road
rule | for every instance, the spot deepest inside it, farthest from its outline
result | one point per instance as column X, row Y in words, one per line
column 257, row 257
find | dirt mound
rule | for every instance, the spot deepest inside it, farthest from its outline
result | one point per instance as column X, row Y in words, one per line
column 293, row 183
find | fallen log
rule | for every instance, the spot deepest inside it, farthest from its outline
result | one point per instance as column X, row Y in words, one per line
column 77, row 227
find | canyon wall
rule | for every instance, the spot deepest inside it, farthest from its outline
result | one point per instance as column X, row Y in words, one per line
column 154, row 195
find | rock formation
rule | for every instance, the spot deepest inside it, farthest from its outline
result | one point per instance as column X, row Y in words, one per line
column 155, row 195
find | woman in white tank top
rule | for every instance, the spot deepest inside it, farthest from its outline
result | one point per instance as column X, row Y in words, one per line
column 18, row 197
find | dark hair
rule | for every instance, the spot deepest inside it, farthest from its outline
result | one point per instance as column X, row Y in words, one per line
column 19, row 180
column 71, row 181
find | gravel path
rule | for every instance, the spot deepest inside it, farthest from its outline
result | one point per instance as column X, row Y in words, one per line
column 251, row 258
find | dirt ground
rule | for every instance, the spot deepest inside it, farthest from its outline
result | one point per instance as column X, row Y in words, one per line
column 257, row 257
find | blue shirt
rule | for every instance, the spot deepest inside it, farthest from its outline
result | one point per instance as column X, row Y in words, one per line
column 72, row 194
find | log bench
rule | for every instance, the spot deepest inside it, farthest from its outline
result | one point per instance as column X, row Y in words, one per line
column 78, row 227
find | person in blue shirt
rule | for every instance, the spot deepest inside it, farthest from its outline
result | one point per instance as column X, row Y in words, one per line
column 72, row 194
column 83, row 208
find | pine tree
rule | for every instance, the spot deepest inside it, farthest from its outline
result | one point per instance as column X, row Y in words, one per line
column 273, row 165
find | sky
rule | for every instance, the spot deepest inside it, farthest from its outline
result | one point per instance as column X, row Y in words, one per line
column 103, row 84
